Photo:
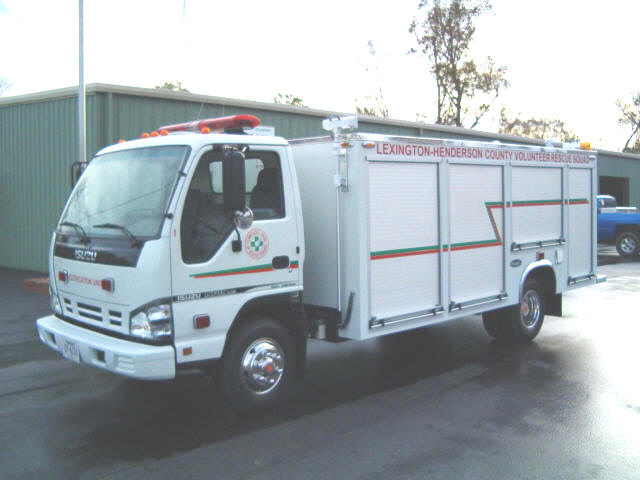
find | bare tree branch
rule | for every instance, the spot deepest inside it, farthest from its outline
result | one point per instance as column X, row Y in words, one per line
column 631, row 116
column 542, row 128
column 465, row 92
column 4, row 85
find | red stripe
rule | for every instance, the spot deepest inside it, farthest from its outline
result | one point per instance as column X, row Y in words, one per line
column 235, row 273
column 536, row 204
column 403, row 254
column 469, row 247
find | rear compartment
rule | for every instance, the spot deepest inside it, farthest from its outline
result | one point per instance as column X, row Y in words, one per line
column 434, row 229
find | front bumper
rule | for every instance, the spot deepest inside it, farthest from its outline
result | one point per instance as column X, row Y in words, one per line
column 145, row 362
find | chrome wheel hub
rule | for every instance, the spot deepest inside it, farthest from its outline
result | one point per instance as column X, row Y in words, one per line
column 530, row 308
column 262, row 365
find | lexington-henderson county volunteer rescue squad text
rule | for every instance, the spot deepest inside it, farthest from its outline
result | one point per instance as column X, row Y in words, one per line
column 441, row 151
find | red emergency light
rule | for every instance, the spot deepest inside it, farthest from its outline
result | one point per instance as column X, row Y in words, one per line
column 232, row 123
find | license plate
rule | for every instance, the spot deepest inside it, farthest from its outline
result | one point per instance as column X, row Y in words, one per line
column 70, row 351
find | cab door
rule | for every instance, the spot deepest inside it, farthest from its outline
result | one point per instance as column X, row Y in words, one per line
column 209, row 278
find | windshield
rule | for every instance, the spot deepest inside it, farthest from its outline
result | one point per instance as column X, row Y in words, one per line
column 128, row 189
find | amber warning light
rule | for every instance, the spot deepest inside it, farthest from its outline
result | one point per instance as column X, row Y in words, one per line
column 231, row 124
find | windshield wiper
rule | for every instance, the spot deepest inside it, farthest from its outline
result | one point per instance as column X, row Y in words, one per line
column 84, row 238
column 122, row 228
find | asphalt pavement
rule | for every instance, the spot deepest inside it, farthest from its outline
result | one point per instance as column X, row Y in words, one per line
column 445, row 402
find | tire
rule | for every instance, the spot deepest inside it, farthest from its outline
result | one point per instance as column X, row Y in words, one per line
column 258, row 364
column 521, row 323
column 627, row 244
column 494, row 324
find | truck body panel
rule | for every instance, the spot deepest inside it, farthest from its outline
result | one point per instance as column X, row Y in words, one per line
column 433, row 230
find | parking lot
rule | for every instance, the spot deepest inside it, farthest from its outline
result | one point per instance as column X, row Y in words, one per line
column 441, row 402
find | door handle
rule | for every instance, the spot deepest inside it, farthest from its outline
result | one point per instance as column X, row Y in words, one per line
column 280, row 262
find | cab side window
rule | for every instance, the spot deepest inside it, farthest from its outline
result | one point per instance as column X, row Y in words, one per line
column 204, row 226
column 263, row 184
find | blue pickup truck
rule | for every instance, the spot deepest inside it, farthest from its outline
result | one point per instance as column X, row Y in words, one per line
column 619, row 226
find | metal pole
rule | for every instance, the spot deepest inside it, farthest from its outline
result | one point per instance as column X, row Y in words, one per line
column 82, row 120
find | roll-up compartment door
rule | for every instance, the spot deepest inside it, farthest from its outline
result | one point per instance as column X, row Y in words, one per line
column 580, row 222
column 537, row 204
column 403, row 238
column 476, row 217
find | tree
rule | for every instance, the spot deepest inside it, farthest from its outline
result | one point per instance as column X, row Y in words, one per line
column 373, row 104
column 177, row 86
column 4, row 85
column 465, row 91
column 288, row 99
column 542, row 128
column 631, row 117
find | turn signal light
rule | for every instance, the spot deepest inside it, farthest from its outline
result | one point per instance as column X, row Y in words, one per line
column 108, row 284
column 63, row 276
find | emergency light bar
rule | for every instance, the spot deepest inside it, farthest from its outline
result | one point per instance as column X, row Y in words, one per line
column 232, row 123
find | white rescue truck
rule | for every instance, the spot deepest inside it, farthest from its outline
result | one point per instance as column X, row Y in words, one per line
column 188, row 249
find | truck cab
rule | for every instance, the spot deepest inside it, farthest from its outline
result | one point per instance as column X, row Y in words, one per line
column 165, row 248
column 619, row 226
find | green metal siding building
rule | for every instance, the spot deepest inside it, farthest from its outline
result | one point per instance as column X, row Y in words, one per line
column 38, row 145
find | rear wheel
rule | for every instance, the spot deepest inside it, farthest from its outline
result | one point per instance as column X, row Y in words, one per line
column 627, row 244
column 520, row 323
column 258, row 364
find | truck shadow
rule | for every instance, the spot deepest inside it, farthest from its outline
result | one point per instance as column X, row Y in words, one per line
column 614, row 259
column 136, row 420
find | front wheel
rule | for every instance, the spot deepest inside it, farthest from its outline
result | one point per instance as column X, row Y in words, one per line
column 519, row 323
column 627, row 244
column 258, row 364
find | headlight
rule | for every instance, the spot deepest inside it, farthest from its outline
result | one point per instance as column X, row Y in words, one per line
column 54, row 302
column 151, row 321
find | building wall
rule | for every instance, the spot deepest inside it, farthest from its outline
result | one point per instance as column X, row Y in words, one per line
column 621, row 165
column 37, row 141
column 38, row 144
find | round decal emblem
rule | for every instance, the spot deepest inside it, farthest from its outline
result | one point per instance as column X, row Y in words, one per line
column 256, row 243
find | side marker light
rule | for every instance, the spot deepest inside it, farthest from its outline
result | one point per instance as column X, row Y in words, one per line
column 201, row 321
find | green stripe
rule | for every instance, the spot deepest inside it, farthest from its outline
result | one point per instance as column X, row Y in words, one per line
column 537, row 202
column 470, row 244
column 233, row 270
column 403, row 250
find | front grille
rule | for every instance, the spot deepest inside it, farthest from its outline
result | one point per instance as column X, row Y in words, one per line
column 93, row 314
column 89, row 311
column 115, row 318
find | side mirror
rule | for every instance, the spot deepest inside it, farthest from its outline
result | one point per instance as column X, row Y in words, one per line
column 233, row 181
column 243, row 219
column 77, row 169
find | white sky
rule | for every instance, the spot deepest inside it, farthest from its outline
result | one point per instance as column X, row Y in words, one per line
column 566, row 59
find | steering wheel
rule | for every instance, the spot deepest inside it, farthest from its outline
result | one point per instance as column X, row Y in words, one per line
column 202, row 222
